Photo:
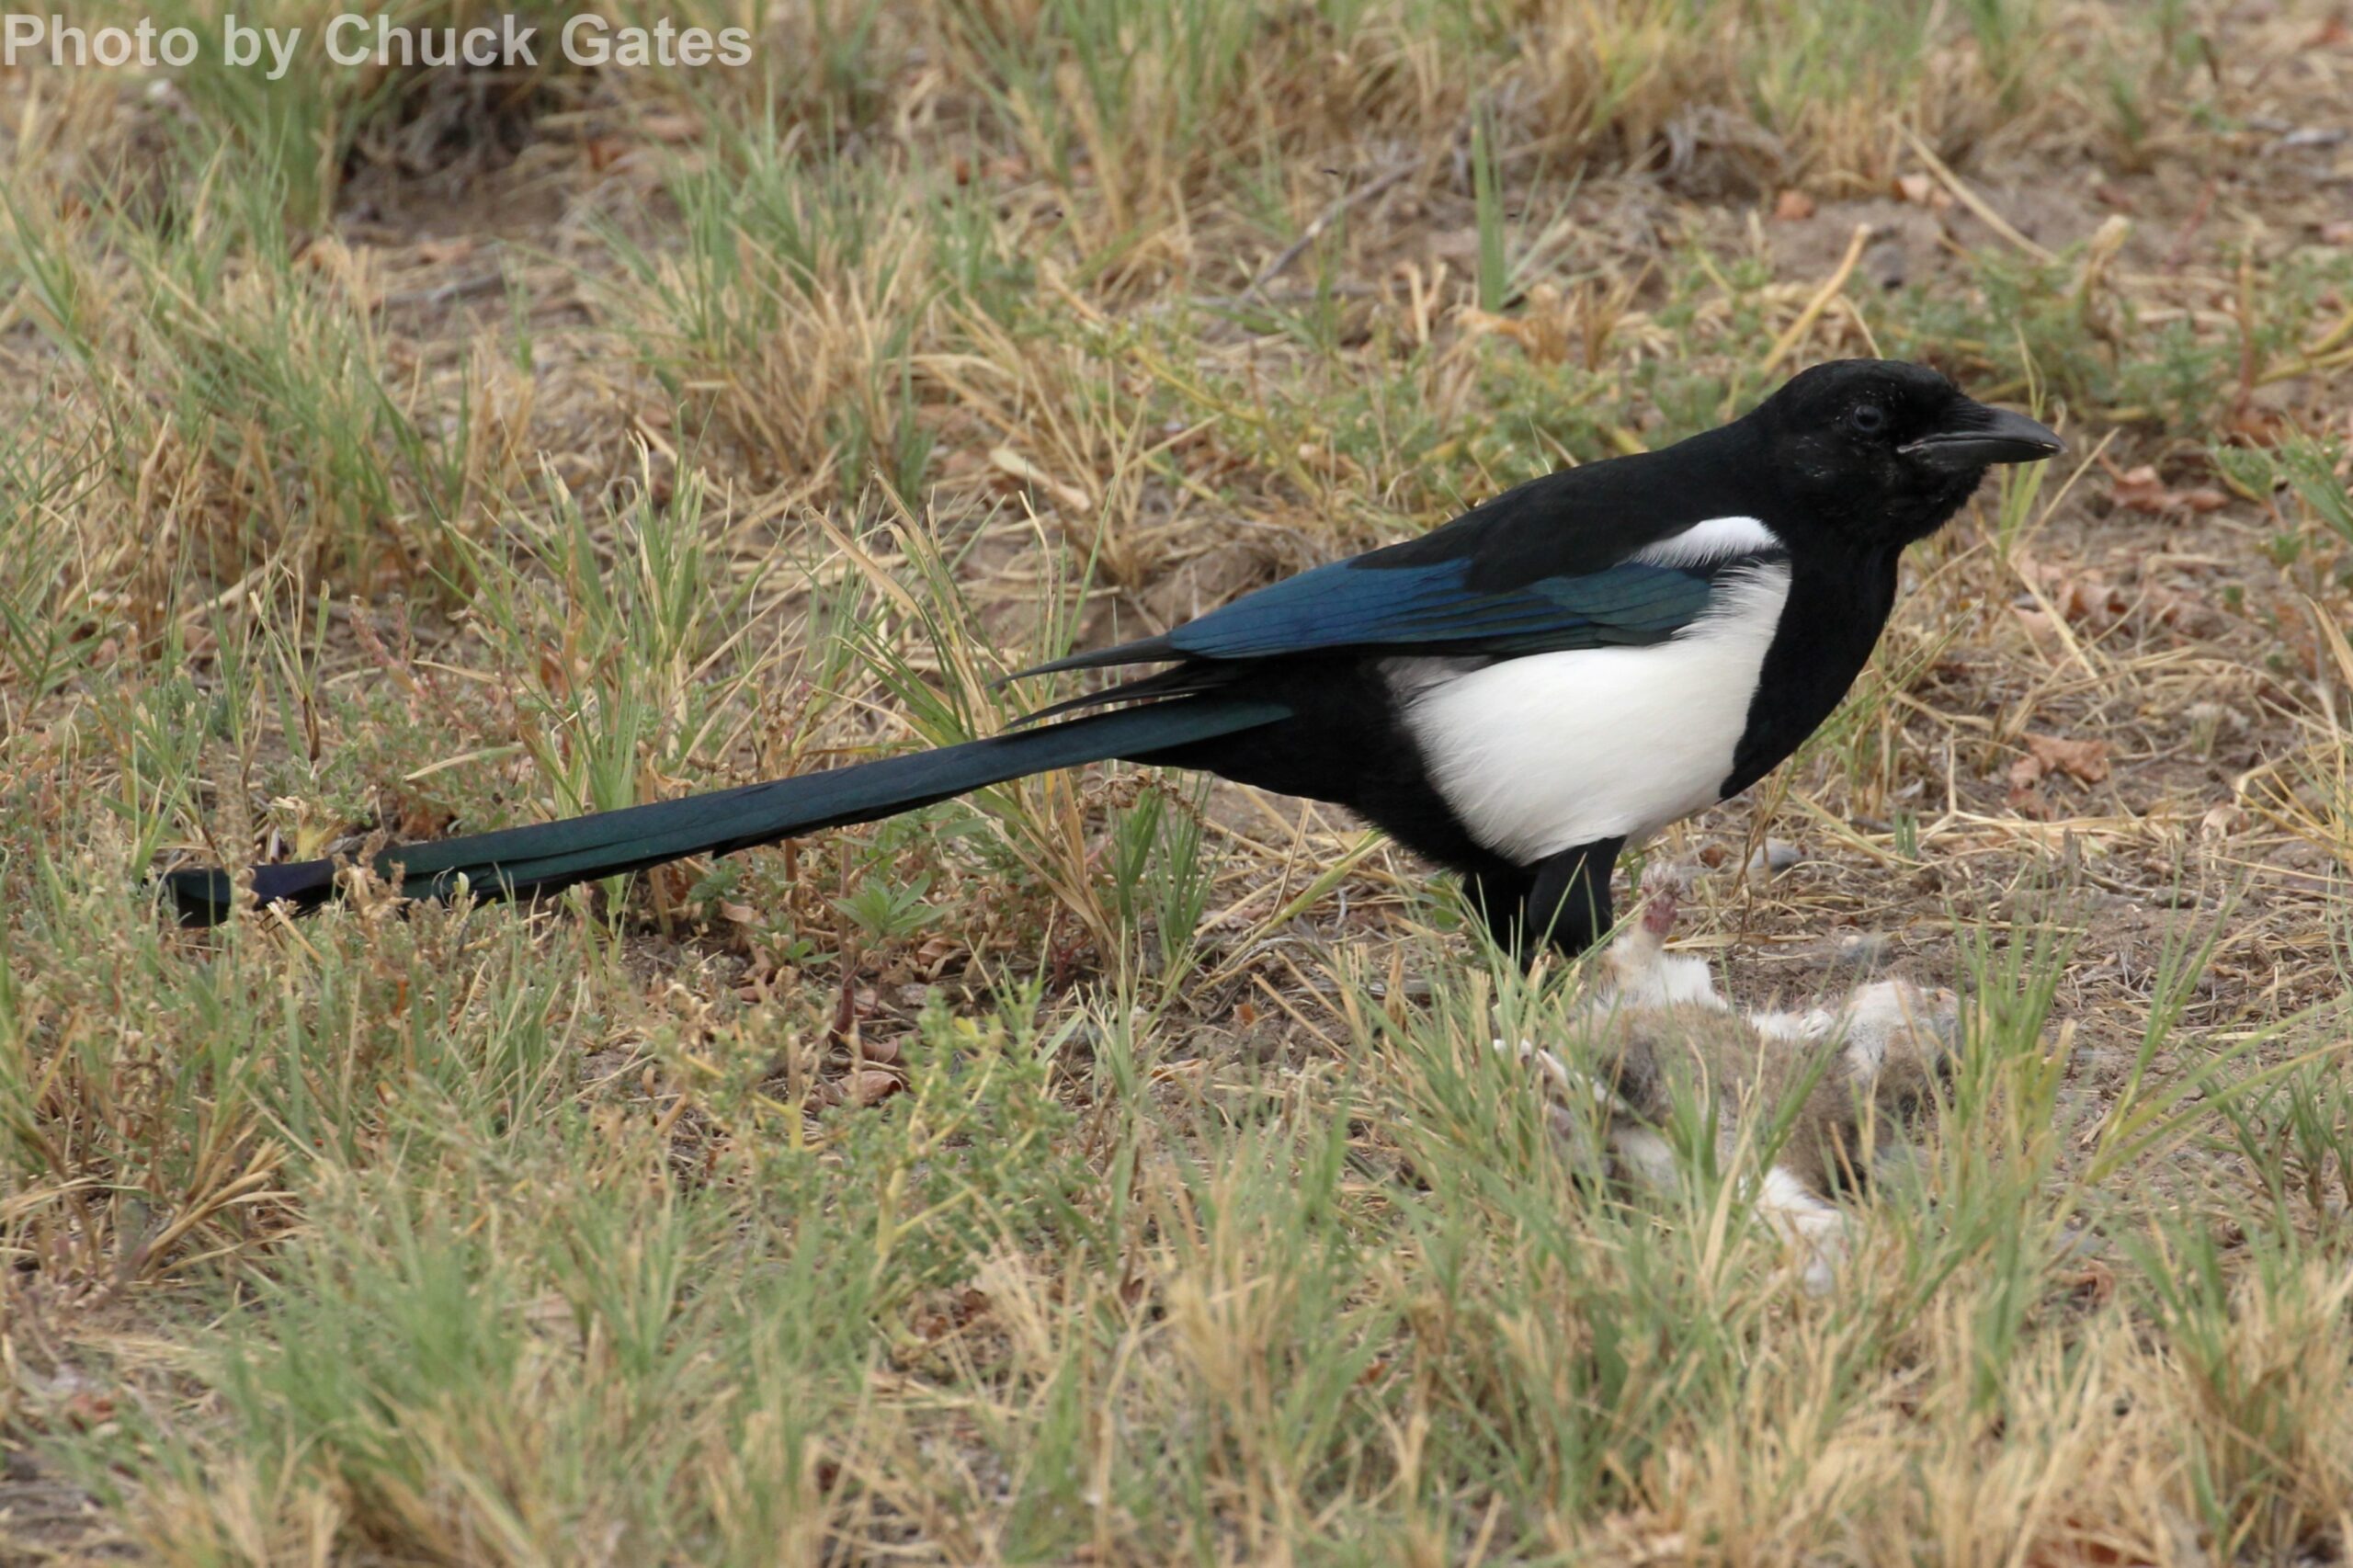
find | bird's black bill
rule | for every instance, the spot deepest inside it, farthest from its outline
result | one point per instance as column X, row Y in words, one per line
column 1983, row 437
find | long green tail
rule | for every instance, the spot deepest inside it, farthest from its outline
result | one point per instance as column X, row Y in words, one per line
column 520, row 862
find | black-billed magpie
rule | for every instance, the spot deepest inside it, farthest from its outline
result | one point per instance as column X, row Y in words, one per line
column 1516, row 694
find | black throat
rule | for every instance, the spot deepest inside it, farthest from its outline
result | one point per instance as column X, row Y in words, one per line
column 1838, row 604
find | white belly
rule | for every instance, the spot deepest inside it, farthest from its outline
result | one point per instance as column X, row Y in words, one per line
column 1542, row 753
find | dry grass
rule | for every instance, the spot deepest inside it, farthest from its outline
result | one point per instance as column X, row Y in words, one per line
column 1110, row 1168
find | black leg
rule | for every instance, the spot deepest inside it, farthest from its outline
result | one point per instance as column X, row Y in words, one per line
column 1569, row 900
column 1500, row 899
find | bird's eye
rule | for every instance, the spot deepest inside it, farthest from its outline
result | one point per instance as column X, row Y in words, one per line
column 1867, row 419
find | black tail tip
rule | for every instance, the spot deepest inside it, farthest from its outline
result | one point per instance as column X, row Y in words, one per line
column 202, row 897
column 206, row 897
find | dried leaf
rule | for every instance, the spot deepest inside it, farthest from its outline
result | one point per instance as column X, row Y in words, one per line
column 2188, row 613
column 2085, row 761
column 850, row 1004
column 873, row 1086
column 2140, row 490
column 2093, row 1281
column 1792, row 206
column 2087, row 600
column 2220, row 821
column 2038, row 627
column 2026, row 776
column 2256, row 426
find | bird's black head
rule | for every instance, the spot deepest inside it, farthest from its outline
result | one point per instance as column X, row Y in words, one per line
column 1882, row 452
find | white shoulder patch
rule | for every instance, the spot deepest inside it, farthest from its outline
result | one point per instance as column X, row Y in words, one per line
column 1712, row 540
column 1537, row 754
